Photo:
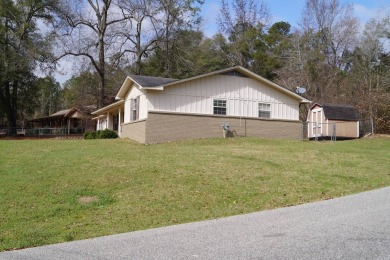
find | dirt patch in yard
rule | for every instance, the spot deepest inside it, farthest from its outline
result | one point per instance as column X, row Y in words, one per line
column 88, row 199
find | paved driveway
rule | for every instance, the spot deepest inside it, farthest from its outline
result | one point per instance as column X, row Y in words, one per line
column 352, row 227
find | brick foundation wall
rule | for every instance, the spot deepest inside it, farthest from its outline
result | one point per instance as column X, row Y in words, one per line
column 135, row 131
column 164, row 127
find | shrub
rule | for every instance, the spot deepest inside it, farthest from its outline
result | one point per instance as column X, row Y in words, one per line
column 101, row 134
column 107, row 134
column 90, row 135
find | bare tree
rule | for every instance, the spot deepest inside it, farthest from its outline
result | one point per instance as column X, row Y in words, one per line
column 370, row 73
column 144, row 29
column 242, row 22
column 89, row 34
column 335, row 27
column 241, row 15
column 176, row 16
column 321, row 55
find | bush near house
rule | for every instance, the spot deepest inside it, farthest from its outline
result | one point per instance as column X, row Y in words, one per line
column 101, row 134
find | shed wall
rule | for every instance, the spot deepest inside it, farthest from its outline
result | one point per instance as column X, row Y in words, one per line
column 346, row 129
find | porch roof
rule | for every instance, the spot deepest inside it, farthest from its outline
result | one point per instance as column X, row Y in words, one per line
column 62, row 114
column 109, row 108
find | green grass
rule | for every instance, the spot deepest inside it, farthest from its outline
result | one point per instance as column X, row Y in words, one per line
column 133, row 186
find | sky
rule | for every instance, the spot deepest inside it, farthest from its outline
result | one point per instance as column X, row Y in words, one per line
column 281, row 10
column 291, row 10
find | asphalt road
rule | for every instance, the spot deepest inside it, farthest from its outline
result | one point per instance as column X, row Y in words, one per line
column 352, row 227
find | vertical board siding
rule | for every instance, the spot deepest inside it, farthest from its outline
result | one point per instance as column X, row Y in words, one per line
column 242, row 96
column 143, row 103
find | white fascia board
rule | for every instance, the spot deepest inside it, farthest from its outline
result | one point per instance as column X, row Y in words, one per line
column 124, row 88
column 121, row 95
column 107, row 108
column 153, row 88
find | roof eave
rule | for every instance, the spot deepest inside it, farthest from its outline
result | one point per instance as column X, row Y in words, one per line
column 124, row 88
column 71, row 112
column 107, row 108
column 247, row 73
column 153, row 88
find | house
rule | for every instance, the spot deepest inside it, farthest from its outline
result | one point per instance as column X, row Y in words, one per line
column 333, row 121
column 154, row 110
column 67, row 121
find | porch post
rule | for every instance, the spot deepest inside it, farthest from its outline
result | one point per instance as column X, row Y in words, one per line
column 119, row 122
column 69, row 125
column 98, row 124
column 108, row 120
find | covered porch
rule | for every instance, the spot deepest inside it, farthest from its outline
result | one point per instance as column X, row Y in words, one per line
column 110, row 117
column 64, row 122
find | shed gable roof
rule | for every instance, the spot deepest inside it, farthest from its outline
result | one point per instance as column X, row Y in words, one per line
column 340, row 112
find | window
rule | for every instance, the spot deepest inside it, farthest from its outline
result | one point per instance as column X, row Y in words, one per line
column 264, row 110
column 134, row 108
column 219, row 107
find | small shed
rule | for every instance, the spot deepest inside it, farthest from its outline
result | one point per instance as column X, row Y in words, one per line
column 333, row 121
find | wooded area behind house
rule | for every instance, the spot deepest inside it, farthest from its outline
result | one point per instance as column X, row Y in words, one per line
column 334, row 57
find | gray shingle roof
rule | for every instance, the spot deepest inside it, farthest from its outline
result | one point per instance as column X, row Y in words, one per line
column 146, row 81
column 341, row 112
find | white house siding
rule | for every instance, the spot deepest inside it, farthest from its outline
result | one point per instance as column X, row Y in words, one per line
column 134, row 93
column 242, row 95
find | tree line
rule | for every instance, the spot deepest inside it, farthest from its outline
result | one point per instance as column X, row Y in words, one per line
column 328, row 53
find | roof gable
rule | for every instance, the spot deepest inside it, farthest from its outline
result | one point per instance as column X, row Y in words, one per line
column 157, row 83
column 62, row 112
column 340, row 112
column 146, row 81
column 66, row 113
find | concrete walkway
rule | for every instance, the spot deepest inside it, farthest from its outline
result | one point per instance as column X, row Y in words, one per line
column 352, row 227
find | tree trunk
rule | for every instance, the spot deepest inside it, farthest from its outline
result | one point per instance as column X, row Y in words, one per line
column 101, row 72
column 11, row 105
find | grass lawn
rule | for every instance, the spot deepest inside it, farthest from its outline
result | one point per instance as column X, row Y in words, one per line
column 61, row 190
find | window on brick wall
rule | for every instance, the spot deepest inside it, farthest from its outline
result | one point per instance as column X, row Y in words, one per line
column 134, row 109
column 219, row 107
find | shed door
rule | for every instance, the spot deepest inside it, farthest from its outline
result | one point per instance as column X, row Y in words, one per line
column 316, row 123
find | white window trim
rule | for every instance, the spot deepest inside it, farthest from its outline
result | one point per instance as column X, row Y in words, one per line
column 220, row 99
column 258, row 109
column 134, row 106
